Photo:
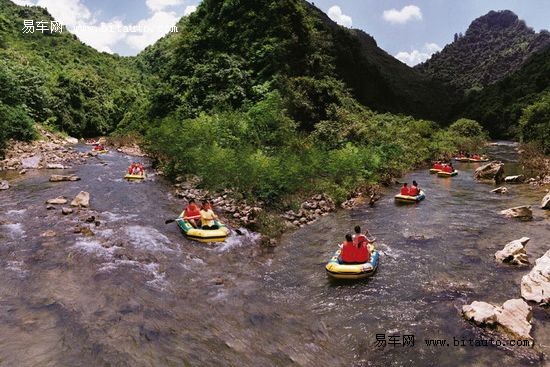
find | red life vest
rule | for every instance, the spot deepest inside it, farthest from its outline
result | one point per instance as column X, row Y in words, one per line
column 405, row 191
column 192, row 212
column 413, row 191
column 448, row 169
column 437, row 166
column 362, row 254
column 347, row 254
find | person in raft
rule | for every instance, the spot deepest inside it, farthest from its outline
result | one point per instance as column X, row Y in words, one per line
column 99, row 147
column 192, row 213
column 414, row 190
column 136, row 169
column 347, row 251
column 404, row 190
column 361, row 242
column 438, row 165
column 449, row 168
column 207, row 216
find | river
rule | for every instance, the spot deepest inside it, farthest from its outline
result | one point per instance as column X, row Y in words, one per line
column 138, row 293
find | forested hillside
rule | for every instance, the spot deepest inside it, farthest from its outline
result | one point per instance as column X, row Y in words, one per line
column 499, row 107
column 55, row 79
column 494, row 46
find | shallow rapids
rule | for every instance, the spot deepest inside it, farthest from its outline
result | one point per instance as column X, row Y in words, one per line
column 137, row 293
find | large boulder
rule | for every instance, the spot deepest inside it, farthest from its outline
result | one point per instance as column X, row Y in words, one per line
column 545, row 203
column 523, row 211
column 4, row 185
column 490, row 171
column 59, row 178
column 513, row 317
column 31, row 162
column 514, row 179
column 514, row 252
column 82, row 199
column 535, row 286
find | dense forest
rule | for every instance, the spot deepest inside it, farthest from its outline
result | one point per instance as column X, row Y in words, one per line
column 270, row 98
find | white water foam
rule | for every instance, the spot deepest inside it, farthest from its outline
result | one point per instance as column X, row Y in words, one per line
column 151, row 269
column 147, row 238
column 14, row 230
column 94, row 247
column 113, row 217
column 16, row 212
column 16, row 267
column 235, row 241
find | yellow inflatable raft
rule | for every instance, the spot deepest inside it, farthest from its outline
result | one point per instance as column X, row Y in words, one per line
column 410, row 199
column 447, row 174
column 135, row 177
column 203, row 235
column 353, row 271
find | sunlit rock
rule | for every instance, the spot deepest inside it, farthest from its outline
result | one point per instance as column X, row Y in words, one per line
column 535, row 286
column 523, row 211
column 514, row 252
column 81, row 200
column 490, row 171
column 545, row 203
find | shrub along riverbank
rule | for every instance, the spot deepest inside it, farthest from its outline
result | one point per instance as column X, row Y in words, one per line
column 261, row 153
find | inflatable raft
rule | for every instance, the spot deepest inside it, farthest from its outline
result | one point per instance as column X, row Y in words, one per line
column 447, row 174
column 135, row 177
column 203, row 235
column 462, row 159
column 410, row 199
column 353, row 271
column 472, row 160
column 434, row 170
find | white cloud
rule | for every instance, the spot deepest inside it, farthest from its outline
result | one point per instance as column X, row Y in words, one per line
column 23, row 2
column 68, row 12
column 189, row 9
column 158, row 5
column 335, row 13
column 158, row 25
column 409, row 12
column 415, row 56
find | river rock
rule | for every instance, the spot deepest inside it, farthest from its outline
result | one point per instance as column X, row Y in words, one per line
column 545, row 203
column 513, row 317
column 59, row 178
column 514, row 179
column 66, row 211
column 490, row 171
column 81, row 200
column 55, row 166
column 500, row 190
column 60, row 200
column 514, row 252
column 31, row 162
column 71, row 140
column 482, row 313
column 4, row 185
column 523, row 211
column 535, row 286
column 48, row 233
column 23, row 171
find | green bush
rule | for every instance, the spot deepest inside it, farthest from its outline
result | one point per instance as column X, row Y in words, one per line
column 535, row 123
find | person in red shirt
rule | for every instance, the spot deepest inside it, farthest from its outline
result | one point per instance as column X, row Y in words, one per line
column 414, row 190
column 347, row 253
column 361, row 242
column 192, row 213
column 448, row 168
column 405, row 189
column 438, row 165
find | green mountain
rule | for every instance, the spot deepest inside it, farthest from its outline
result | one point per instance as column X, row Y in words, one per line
column 231, row 53
column 499, row 107
column 55, row 79
column 494, row 46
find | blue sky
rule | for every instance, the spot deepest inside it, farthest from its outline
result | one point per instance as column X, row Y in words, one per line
column 410, row 30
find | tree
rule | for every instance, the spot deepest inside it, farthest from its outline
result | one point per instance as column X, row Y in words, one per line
column 534, row 123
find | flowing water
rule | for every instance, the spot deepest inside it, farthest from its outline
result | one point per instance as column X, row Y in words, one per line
column 137, row 293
